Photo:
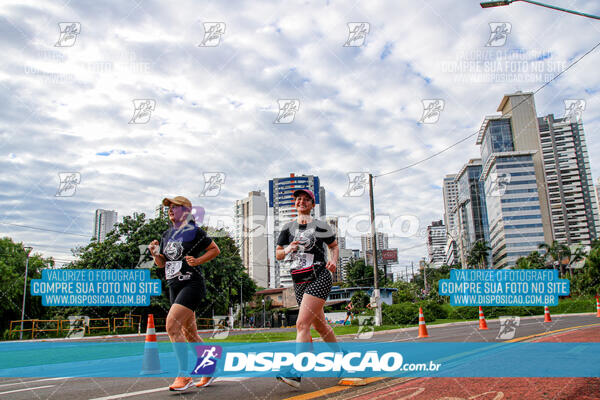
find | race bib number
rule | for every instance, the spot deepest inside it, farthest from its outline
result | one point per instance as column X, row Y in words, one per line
column 172, row 269
column 303, row 260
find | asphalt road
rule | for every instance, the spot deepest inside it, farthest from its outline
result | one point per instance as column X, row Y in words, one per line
column 267, row 388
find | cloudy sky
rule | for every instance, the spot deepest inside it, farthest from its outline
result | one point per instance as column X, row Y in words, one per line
column 67, row 102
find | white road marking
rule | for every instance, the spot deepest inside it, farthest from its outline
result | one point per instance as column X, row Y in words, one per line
column 130, row 394
column 25, row 389
column 224, row 379
column 37, row 380
column 160, row 389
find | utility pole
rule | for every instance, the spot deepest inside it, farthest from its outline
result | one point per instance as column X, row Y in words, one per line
column 241, row 306
column 376, row 293
column 27, row 250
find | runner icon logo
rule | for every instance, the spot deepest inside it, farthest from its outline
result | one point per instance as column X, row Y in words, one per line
column 207, row 359
column 498, row 34
column 508, row 327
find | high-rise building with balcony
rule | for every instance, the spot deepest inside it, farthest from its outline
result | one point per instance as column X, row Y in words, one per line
column 104, row 222
column 450, row 192
column 573, row 203
column 436, row 243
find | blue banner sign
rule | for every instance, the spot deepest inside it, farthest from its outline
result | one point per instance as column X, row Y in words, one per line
column 117, row 359
column 96, row 287
column 505, row 287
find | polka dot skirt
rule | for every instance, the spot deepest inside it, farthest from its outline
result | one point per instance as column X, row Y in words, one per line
column 321, row 287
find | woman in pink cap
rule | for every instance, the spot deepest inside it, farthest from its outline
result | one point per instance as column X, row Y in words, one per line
column 302, row 242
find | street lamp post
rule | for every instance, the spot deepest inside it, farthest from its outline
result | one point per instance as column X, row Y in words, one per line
column 499, row 3
column 27, row 251
column 264, row 314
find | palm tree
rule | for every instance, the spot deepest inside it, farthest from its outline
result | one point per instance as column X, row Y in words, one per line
column 478, row 254
column 532, row 261
column 557, row 252
column 578, row 255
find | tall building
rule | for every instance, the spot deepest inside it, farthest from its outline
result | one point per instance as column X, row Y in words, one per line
column 346, row 256
column 519, row 108
column 450, row 191
column 104, row 222
column 436, row 243
column 250, row 236
column 323, row 205
column 516, row 225
column 282, row 211
column 598, row 196
column 471, row 209
column 366, row 242
column 515, row 180
column 571, row 194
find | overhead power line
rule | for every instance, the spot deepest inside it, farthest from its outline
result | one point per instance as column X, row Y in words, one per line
column 473, row 134
column 46, row 229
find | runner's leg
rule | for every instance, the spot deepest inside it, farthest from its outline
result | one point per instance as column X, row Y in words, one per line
column 321, row 326
column 176, row 319
column 310, row 308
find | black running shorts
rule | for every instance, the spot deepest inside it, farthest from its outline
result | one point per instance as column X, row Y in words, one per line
column 187, row 293
column 321, row 287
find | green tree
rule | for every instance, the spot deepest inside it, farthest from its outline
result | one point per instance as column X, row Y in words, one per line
column 578, row 254
column 588, row 281
column 12, row 270
column 532, row 261
column 407, row 292
column 360, row 274
column 360, row 300
column 478, row 254
column 559, row 253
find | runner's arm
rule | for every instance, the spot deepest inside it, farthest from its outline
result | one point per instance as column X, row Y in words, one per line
column 211, row 252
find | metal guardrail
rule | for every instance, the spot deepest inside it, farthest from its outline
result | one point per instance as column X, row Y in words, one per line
column 129, row 321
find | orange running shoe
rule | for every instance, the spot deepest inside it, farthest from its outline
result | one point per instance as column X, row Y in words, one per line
column 181, row 383
column 205, row 381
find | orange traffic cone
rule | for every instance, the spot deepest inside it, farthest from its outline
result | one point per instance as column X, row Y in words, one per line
column 597, row 306
column 422, row 326
column 151, row 364
column 482, row 323
column 547, row 314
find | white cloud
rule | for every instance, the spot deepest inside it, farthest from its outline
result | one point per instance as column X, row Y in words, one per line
column 215, row 107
